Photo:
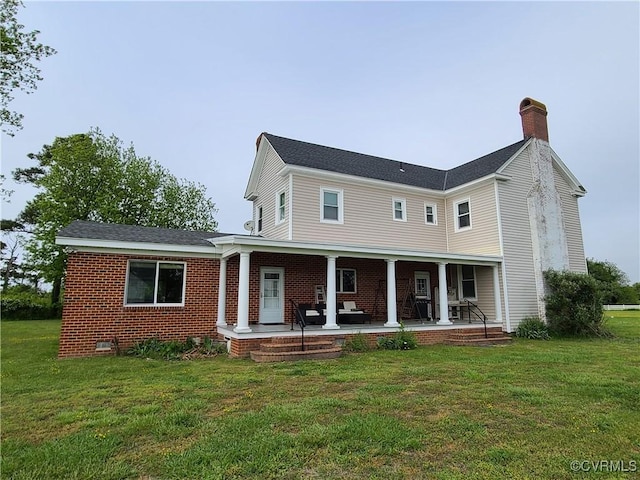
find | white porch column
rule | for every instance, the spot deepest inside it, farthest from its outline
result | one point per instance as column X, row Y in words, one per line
column 243, row 295
column 496, row 293
column 443, row 293
column 222, row 294
column 392, row 313
column 330, row 322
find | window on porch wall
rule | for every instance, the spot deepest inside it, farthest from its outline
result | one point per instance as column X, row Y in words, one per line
column 345, row 280
column 468, row 281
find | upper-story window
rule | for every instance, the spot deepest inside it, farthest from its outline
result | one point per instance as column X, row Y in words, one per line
column 155, row 283
column 399, row 209
column 331, row 205
column 259, row 219
column 280, row 212
column 462, row 212
column 430, row 214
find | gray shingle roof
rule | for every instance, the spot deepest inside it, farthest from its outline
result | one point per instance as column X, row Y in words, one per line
column 135, row 233
column 481, row 167
column 304, row 154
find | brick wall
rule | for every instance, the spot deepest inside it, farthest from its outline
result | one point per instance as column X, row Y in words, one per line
column 94, row 308
column 304, row 272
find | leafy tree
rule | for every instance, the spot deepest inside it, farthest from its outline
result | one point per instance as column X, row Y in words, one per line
column 12, row 269
column 20, row 51
column 9, row 266
column 92, row 177
column 4, row 193
column 612, row 282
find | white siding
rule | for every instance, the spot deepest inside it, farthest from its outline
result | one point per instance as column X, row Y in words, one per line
column 484, row 290
column 517, row 243
column 573, row 229
column 368, row 216
column 269, row 184
column 482, row 238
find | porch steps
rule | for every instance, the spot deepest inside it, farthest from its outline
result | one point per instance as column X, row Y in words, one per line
column 282, row 349
column 476, row 337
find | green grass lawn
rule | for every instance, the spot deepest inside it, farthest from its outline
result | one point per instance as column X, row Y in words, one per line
column 521, row 411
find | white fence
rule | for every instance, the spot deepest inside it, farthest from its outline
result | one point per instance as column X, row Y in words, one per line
column 621, row 307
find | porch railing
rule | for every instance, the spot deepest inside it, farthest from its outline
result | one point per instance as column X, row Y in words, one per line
column 297, row 317
column 474, row 310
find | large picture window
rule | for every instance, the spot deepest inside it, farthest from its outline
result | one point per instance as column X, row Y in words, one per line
column 345, row 280
column 155, row 283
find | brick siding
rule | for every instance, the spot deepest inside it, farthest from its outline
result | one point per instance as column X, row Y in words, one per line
column 94, row 308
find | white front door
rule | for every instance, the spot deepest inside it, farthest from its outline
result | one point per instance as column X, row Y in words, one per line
column 423, row 294
column 271, row 295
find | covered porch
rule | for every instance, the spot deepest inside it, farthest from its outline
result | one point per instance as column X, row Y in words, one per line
column 264, row 282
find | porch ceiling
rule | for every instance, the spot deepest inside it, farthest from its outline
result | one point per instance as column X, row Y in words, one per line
column 234, row 244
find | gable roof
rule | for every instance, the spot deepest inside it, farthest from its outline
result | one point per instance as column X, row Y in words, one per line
column 481, row 167
column 80, row 229
column 310, row 155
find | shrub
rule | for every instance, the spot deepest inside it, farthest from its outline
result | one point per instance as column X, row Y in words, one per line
column 210, row 346
column 574, row 305
column 532, row 328
column 357, row 343
column 401, row 340
column 28, row 308
column 176, row 350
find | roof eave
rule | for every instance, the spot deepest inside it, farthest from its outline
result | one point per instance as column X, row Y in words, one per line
column 578, row 189
column 94, row 244
column 514, row 156
column 232, row 245
column 258, row 163
column 336, row 176
column 475, row 183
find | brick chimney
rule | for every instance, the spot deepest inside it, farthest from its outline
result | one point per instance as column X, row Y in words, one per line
column 534, row 119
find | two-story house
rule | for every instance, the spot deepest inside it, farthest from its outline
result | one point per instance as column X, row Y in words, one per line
column 400, row 241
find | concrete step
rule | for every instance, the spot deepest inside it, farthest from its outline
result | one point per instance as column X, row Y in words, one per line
column 295, row 347
column 323, row 354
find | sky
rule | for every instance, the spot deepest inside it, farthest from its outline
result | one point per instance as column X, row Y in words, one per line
column 193, row 84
